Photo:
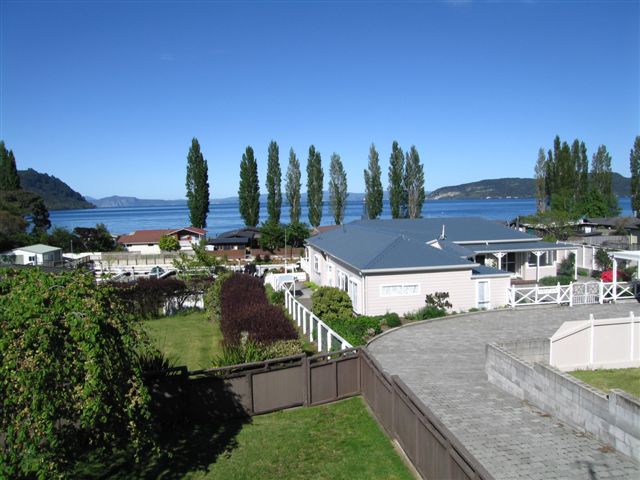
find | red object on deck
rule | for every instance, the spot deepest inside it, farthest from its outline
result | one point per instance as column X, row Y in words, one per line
column 607, row 276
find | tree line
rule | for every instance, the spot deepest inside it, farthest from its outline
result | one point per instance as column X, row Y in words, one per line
column 406, row 186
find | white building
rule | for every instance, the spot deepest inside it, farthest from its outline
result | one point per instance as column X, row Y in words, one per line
column 38, row 254
column 148, row 241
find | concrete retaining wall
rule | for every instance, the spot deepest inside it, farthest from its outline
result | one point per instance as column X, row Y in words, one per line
column 612, row 418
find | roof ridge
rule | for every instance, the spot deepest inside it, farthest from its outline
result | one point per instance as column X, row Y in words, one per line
column 385, row 249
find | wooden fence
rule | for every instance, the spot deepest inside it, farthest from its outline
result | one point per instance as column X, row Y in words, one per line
column 256, row 388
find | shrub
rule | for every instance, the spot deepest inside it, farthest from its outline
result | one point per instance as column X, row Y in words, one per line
column 311, row 286
column 212, row 296
column 355, row 330
column 248, row 351
column 391, row 320
column 603, row 259
column 439, row 300
column 583, row 272
column 330, row 303
column 426, row 313
column 567, row 266
column 553, row 281
column 275, row 298
column 148, row 296
column 169, row 244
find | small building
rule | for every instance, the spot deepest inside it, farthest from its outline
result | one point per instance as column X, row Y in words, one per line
column 240, row 239
column 39, row 254
column 148, row 241
column 391, row 265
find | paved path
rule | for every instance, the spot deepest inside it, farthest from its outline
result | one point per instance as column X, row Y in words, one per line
column 443, row 363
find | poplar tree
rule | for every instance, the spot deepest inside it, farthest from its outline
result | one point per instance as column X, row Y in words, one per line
column 197, row 186
column 601, row 191
column 293, row 187
column 540, row 177
column 583, row 184
column 414, row 183
column 9, row 179
column 634, row 161
column 315, row 181
column 397, row 191
column 337, row 188
column 274, row 192
column 249, row 189
column 373, row 185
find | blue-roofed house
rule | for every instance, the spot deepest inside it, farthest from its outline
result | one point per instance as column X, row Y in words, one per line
column 391, row 265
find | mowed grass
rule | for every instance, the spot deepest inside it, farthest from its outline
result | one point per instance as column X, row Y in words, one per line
column 627, row 379
column 334, row 441
column 191, row 340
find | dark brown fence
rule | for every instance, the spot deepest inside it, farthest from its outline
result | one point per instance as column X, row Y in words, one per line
column 262, row 387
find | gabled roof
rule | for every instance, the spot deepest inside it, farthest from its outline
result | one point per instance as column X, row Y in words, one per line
column 39, row 248
column 246, row 232
column 368, row 249
column 153, row 236
column 459, row 230
column 517, row 247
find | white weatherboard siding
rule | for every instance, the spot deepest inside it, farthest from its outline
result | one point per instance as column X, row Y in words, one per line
column 144, row 249
column 497, row 290
column 458, row 283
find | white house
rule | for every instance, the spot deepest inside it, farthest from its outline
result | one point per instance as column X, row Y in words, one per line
column 38, row 254
column 391, row 265
column 148, row 241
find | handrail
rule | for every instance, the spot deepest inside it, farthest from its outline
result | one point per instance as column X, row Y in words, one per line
column 574, row 293
column 300, row 313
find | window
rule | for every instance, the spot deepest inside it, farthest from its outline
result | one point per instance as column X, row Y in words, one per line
column 401, row 290
column 546, row 259
column 316, row 263
column 353, row 294
column 342, row 280
column 330, row 274
column 484, row 299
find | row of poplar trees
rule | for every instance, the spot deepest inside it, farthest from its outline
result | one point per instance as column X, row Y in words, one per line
column 565, row 184
column 406, row 186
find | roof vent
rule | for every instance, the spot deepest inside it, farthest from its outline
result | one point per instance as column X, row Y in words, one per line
column 443, row 236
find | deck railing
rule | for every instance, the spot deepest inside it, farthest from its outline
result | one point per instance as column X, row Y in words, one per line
column 572, row 294
column 312, row 327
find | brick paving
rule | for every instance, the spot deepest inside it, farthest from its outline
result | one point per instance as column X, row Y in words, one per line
column 443, row 363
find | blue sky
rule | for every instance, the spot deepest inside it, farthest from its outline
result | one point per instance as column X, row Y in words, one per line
column 107, row 95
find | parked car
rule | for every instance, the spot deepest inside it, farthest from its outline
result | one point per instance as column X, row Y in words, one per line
column 156, row 272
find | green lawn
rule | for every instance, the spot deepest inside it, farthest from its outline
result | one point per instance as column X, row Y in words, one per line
column 627, row 379
column 334, row 441
column 190, row 340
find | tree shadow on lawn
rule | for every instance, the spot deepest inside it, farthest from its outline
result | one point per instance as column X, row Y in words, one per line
column 197, row 421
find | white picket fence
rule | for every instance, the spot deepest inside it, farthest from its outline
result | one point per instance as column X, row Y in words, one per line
column 572, row 294
column 317, row 331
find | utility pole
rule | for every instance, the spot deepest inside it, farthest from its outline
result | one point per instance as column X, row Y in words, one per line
column 285, row 249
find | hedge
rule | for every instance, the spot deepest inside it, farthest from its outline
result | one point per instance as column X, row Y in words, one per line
column 330, row 303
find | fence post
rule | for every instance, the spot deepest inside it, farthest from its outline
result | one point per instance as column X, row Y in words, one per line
column 319, row 335
column 571, row 294
column 600, row 292
column 591, row 339
column 329, row 344
column 304, row 322
column 632, row 320
column 306, row 373
column 311, row 326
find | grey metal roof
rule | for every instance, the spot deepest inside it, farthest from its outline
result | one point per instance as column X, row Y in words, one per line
column 517, row 247
column 484, row 271
column 39, row 248
column 228, row 241
column 369, row 249
column 455, row 249
column 456, row 229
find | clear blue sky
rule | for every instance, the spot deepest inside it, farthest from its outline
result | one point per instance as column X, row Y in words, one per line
column 107, row 95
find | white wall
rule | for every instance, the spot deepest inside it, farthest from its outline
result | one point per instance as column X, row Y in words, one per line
column 144, row 249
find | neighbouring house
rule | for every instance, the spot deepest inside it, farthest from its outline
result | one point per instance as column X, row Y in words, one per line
column 240, row 239
column 39, row 254
column 148, row 241
column 390, row 265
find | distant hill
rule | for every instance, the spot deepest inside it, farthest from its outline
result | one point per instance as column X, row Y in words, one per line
column 56, row 194
column 509, row 188
column 116, row 201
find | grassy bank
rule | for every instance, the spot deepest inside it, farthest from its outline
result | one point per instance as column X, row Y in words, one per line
column 190, row 340
column 627, row 379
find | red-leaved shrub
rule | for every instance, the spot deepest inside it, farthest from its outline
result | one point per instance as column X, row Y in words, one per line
column 244, row 308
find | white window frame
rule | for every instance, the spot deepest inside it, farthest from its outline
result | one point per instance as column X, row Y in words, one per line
column 353, row 295
column 343, row 280
column 330, row 274
column 402, row 286
column 316, row 263
column 487, row 304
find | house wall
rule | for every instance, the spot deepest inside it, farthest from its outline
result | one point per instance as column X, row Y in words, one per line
column 144, row 249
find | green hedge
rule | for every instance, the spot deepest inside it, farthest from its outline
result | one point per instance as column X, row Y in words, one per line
column 330, row 303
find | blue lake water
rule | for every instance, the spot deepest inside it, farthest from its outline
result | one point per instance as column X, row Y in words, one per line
column 225, row 216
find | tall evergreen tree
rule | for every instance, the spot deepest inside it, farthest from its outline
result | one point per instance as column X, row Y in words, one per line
column 540, row 176
column 274, row 192
column 337, row 188
column 583, row 183
column 549, row 177
column 249, row 189
column 197, row 186
column 414, row 183
column 601, row 180
column 373, row 185
column 293, row 187
column 634, row 161
column 9, row 179
column 315, row 181
column 397, row 191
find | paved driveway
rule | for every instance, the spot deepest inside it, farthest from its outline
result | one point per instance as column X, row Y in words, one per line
column 443, row 363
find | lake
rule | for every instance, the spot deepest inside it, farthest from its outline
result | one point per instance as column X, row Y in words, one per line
column 225, row 216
